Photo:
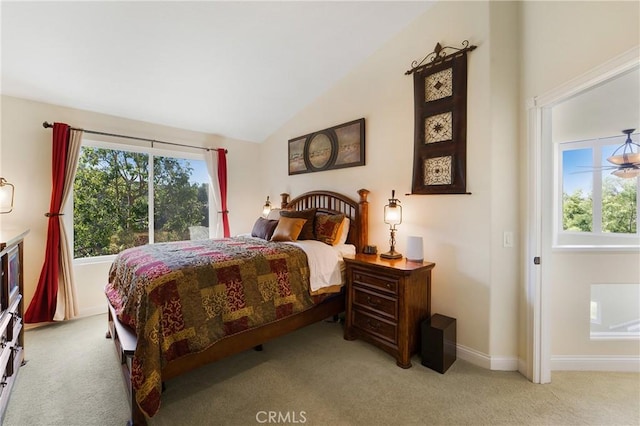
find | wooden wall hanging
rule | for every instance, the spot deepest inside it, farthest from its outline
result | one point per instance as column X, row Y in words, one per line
column 440, row 135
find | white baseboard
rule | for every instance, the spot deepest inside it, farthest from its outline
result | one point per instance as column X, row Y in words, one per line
column 618, row 363
column 485, row 361
column 504, row 364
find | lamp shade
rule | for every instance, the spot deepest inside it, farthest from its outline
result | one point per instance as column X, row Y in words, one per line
column 624, row 158
column 392, row 217
column 6, row 196
column 393, row 211
column 626, row 172
column 627, row 158
column 266, row 209
column 415, row 251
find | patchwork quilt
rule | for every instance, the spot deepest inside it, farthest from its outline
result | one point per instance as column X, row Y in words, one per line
column 182, row 297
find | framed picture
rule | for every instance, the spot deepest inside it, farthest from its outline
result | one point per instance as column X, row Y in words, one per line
column 333, row 148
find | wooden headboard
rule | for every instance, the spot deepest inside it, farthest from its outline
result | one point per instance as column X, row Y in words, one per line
column 327, row 202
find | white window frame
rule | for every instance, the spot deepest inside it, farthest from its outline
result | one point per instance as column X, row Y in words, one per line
column 632, row 326
column 596, row 240
column 152, row 152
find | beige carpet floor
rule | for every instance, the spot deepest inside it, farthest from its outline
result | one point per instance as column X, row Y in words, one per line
column 313, row 377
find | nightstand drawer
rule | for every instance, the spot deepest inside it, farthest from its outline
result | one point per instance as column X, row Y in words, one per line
column 377, row 302
column 381, row 282
column 375, row 327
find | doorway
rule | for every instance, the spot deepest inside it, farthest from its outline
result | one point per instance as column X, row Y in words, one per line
column 553, row 273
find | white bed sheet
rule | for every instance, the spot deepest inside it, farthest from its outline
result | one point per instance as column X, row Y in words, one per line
column 326, row 264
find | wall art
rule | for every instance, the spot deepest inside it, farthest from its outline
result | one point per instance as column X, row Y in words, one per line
column 440, row 133
column 333, row 148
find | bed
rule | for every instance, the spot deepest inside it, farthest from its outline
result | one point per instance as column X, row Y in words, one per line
column 148, row 309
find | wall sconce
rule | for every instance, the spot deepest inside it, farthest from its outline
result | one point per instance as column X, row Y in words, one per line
column 6, row 196
column 266, row 208
column 392, row 217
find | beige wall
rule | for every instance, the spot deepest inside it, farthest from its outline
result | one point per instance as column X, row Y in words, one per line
column 475, row 279
column 26, row 162
column 560, row 42
column 505, row 100
column 538, row 45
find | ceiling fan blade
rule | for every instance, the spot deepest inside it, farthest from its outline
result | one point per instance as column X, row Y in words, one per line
column 584, row 171
column 600, row 167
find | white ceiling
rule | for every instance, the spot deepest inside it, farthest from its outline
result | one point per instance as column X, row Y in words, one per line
column 602, row 111
column 235, row 69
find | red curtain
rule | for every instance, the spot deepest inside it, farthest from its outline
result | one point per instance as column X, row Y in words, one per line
column 222, row 179
column 43, row 305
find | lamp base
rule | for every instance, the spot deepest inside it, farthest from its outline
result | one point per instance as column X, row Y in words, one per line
column 392, row 254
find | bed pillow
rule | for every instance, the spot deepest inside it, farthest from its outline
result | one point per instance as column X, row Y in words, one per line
column 288, row 229
column 344, row 231
column 328, row 228
column 263, row 228
column 309, row 215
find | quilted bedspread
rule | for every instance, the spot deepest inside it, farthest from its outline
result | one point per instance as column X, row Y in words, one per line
column 182, row 297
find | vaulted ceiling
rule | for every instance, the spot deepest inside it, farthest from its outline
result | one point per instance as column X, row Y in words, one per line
column 235, row 69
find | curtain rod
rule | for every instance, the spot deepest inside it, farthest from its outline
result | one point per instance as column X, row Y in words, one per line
column 47, row 125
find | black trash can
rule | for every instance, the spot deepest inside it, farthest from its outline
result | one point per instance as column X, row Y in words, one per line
column 438, row 345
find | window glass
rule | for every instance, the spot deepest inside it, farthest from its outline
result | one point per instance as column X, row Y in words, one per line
column 595, row 208
column 110, row 198
column 180, row 198
column 619, row 203
column 111, row 208
column 615, row 311
column 577, row 190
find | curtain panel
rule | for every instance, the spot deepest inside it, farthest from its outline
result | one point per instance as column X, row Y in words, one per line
column 55, row 295
column 67, row 300
column 217, row 167
column 222, row 180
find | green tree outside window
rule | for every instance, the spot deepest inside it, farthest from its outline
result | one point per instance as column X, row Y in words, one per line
column 111, row 201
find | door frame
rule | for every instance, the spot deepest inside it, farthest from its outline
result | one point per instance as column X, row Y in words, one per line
column 538, row 356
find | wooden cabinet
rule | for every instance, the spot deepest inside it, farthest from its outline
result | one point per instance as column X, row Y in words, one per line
column 386, row 302
column 11, row 309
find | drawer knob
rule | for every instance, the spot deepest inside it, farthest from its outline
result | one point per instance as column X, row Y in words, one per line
column 373, row 325
column 373, row 303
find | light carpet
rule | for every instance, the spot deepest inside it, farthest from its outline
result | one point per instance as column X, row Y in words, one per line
column 312, row 376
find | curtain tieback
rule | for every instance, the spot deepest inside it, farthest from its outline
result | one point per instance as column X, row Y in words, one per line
column 53, row 214
column 224, row 211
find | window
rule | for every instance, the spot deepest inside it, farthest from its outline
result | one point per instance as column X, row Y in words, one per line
column 615, row 311
column 124, row 198
column 594, row 207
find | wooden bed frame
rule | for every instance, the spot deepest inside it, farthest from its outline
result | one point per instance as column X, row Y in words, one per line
column 327, row 203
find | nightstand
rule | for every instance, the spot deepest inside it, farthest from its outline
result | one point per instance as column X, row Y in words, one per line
column 386, row 302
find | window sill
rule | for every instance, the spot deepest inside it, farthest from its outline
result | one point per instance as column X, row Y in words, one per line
column 581, row 248
column 94, row 260
column 614, row 336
